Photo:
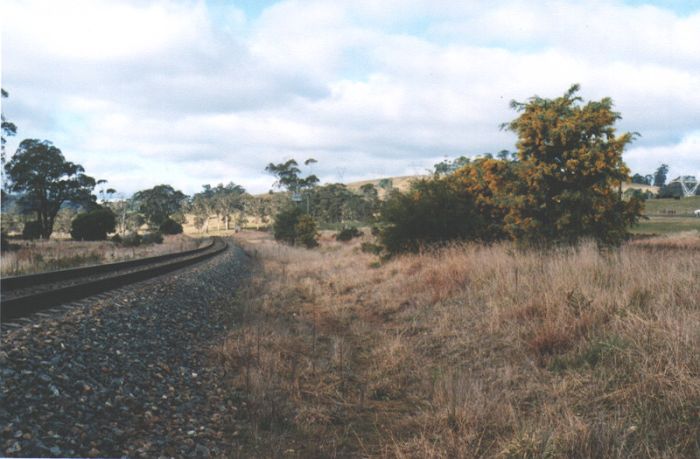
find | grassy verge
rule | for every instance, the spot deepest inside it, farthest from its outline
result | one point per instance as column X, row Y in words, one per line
column 468, row 351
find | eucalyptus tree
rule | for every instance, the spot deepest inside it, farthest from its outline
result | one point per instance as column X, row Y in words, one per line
column 41, row 173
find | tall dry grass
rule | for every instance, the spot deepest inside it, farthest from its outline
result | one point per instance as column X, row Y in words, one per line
column 468, row 351
column 40, row 256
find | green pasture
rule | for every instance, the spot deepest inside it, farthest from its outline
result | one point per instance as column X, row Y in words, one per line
column 666, row 225
column 672, row 207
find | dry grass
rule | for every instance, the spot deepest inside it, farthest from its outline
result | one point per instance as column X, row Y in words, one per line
column 469, row 351
column 40, row 256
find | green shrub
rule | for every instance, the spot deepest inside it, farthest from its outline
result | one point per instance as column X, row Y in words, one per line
column 117, row 239
column 284, row 228
column 347, row 234
column 170, row 226
column 93, row 225
column 306, row 231
column 433, row 211
column 131, row 240
column 152, row 238
column 32, row 230
column 294, row 226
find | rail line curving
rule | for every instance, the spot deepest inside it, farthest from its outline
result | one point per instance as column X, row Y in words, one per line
column 25, row 295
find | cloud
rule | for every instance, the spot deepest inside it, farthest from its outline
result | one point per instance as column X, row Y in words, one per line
column 189, row 93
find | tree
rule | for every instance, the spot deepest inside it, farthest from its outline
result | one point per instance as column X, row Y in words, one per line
column 202, row 206
column 573, row 170
column 159, row 203
column 227, row 200
column 93, row 225
column 39, row 170
column 660, row 175
column 642, row 179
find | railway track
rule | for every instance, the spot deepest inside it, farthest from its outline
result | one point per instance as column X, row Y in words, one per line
column 25, row 295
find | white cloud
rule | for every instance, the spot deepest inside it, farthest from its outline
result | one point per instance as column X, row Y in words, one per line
column 145, row 93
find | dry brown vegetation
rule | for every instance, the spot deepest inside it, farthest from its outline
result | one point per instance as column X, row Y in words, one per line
column 468, row 351
column 39, row 256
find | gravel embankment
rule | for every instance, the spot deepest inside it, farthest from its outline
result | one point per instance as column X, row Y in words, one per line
column 126, row 373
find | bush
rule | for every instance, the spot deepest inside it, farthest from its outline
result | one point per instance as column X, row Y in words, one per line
column 346, row 234
column 284, row 226
column 433, row 211
column 117, row 239
column 294, row 226
column 152, row 238
column 306, row 231
column 131, row 240
column 93, row 225
column 170, row 226
column 32, row 230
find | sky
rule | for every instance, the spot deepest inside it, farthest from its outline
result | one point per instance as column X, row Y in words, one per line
column 203, row 92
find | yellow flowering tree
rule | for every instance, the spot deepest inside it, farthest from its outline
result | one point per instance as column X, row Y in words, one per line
column 572, row 171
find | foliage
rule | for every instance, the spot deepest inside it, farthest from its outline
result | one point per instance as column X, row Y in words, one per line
column 564, row 185
column 660, row 175
column 64, row 219
column 494, row 185
column 39, row 170
column 433, row 211
column 170, row 226
column 7, row 129
column 571, row 166
column 93, row 225
column 289, row 178
column 335, row 203
column 642, row 179
column 284, row 227
column 221, row 201
column 158, row 203
column 153, row 237
column 295, row 227
column 447, row 166
column 131, row 239
column 347, row 234
column 31, row 230
column 305, row 230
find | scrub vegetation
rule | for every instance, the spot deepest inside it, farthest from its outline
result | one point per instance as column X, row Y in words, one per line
column 469, row 350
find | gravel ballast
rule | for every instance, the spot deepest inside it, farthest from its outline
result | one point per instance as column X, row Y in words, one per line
column 127, row 373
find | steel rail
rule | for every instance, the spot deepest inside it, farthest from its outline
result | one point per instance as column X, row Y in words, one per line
column 22, row 306
column 9, row 284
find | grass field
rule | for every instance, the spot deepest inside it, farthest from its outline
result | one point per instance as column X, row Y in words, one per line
column 469, row 351
column 666, row 225
column 676, row 207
